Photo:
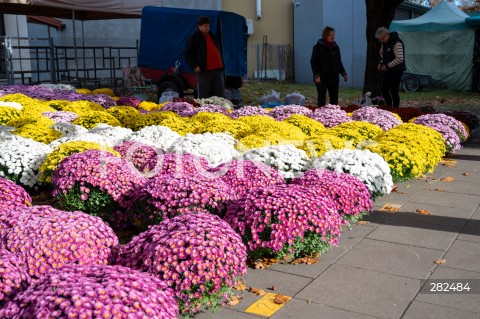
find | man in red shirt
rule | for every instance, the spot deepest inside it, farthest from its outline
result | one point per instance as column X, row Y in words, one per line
column 204, row 55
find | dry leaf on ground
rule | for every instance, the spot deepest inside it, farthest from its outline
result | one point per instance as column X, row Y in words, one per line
column 440, row 261
column 234, row 300
column 363, row 222
column 280, row 299
column 448, row 179
column 466, row 174
column 448, row 162
column 264, row 263
column 240, row 285
column 439, row 189
column 424, row 212
column 392, row 208
column 257, row 291
column 305, row 260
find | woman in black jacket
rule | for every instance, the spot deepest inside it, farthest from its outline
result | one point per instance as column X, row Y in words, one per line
column 326, row 65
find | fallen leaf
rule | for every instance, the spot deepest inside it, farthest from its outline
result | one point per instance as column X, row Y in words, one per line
column 234, row 300
column 440, row 261
column 309, row 301
column 240, row 285
column 439, row 189
column 28, row 203
column 466, row 174
column 273, row 288
column 280, row 299
column 257, row 291
column 423, row 212
column 362, row 222
column 448, row 162
column 305, row 260
column 392, row 208
column 394, row 188
column 264, row 263
column 448, row 179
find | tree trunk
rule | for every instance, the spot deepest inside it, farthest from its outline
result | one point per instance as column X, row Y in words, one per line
column 380, row 13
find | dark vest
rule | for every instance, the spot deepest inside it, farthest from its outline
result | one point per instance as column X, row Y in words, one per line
column 389, row 56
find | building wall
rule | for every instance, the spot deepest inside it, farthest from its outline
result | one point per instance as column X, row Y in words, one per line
column 276, row 20
column 348, row 18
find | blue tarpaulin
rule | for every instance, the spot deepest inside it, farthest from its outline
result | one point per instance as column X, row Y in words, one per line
column 164, row 33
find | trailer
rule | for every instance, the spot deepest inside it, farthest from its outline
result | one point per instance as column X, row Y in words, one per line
column 163, row 36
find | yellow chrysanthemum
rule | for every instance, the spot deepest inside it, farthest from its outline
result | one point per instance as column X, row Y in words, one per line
column 356, row 132
column 105, row 91
column 40, row 133
column 8, row 114
column 83, row 107
column 181, row 125
column 321, row 143
column 308, row 126
column 150, row 106
column 84, row 91
column 91, row 119
column 126, row 115
column 64, row 150
column 58, row 104
column 214, row 122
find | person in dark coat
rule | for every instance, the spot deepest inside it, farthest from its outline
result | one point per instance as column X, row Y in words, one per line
column 204, row 55
column 326, row 63
column 392, row 64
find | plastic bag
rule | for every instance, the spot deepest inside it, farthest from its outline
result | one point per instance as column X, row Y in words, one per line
column 364, row 101
column 168, row 96
column 294, row 98
column 273, row 98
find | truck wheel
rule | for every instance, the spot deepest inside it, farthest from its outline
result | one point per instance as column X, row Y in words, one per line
column 411, row 84
column 168, row 85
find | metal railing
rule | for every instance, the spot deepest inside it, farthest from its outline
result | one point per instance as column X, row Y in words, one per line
column 37, row 60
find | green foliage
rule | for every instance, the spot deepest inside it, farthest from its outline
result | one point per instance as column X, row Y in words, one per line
column 99, row 203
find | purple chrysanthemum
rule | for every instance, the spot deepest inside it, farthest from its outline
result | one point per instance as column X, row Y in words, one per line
column 384, row 119
column 452, row 141
column 443, row 119
column 350, row 195
column 274, row 221
column 283, row 112
column 141, row 156
column 94, row 291
column 166, row 196
column 12, row 196
column 181, row 108
column 97, row 183
column 13, row 276
column 198, row 255
column 244, row 175
column 248, row 111
column 61, row 116
column 212, row 108
column 129, row 101
column 331, row 115
column 46, row 238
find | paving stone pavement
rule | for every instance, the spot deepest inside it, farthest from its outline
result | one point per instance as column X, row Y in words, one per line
column 379, row 268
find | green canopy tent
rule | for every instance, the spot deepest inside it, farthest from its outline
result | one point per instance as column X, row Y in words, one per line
column 441, row 44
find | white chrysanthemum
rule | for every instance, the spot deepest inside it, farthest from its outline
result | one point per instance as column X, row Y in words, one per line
column 59, row 86
column 155, row 135
column 227, row 137
column 20, row 161
column 69, row 129
column 15, row 105
column 86, row 137
column 216, row 100
column 370, row 167
column 287, row 159
column 213, row 148
column 114, row 134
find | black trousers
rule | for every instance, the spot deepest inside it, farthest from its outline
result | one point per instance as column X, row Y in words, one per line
column 332, row 88
column 390, row 87
column 210, row 83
